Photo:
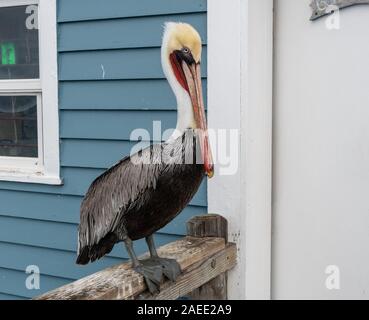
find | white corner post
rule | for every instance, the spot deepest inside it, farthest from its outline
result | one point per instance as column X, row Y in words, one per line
column 240, row 96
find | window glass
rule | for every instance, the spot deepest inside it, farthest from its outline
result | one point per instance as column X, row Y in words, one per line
column 19, row 51
column 18, row 126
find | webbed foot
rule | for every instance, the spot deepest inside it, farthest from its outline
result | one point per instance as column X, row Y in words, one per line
column 153, row 274
column 154, row 269
column 171, row 268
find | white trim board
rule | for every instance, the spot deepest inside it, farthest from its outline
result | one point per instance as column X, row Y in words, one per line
column 240, row 69
column 49, row 81
column 14, row 3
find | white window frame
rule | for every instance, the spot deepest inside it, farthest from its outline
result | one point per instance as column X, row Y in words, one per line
column 46, row 168
column 240, row 96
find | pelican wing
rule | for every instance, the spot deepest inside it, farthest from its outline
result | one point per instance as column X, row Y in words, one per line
column 109, row 196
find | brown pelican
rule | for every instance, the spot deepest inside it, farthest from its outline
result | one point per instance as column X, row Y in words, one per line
column 145, row 191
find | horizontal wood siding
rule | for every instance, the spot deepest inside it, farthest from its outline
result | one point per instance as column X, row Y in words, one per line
column 118, row 64
column 138, row 94
column 81, row 10
column 110, row 83
column 118, row 33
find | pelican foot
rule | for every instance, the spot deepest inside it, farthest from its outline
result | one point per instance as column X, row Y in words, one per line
column 171, row 268
column 155, row 269
column 152, row 273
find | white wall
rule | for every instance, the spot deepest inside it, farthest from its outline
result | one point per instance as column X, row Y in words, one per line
column 321, row 153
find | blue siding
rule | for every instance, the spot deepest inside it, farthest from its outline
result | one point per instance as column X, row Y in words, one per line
column 111, row 83
column 143, row 63
column 63, row 236
column 13, row 283
column 4, row 296
column 117, row 33
column 117, row 95
column 81, row 10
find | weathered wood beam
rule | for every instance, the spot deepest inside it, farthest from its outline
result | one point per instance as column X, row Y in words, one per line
column 198, row 275
column 210, row 225
column 201, row 259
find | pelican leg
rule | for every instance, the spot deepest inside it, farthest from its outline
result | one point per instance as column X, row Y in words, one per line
column 129, row 246
column 151, row 244
column 152, row 273
column 171, row 268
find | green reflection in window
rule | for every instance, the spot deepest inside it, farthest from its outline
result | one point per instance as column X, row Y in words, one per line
column 8, row 53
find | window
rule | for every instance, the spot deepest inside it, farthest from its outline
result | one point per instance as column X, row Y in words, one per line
column 29, row 141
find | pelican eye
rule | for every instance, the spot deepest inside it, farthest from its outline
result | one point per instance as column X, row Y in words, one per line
column 186, row 50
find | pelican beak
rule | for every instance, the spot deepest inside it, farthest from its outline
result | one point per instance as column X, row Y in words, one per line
column 192, row 73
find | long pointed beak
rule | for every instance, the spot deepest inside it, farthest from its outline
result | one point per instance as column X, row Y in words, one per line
column 192, row 73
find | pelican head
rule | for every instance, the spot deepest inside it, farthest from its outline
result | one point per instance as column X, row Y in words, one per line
column 181, row 59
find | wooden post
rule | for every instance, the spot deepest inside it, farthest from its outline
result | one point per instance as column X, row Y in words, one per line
column 210, row 225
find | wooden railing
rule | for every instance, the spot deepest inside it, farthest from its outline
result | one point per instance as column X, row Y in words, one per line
column 204, row 255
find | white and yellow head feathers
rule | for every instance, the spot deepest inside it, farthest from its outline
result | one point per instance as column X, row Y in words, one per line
column 182, row 35
column 176, row 37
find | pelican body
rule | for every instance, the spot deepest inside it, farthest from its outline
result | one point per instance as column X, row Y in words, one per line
column 145, row 191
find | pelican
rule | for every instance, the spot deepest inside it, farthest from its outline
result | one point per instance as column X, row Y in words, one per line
column 143, row 192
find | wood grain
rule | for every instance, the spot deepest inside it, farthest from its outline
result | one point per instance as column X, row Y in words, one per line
column 210, row 225
column 201, row 275
column 201, row 259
